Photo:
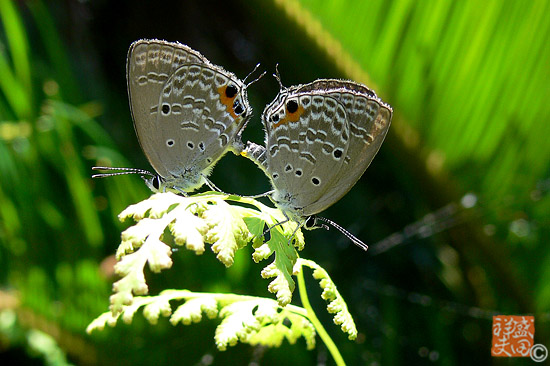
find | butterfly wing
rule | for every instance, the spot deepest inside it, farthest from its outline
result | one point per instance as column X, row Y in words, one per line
column 187, row 112
column 369, row 120
column 307, row 141
column 200, row 115
column 149, row 65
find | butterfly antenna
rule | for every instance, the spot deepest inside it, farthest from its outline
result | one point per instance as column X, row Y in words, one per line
column 119, row 171
column 252, row 72
column 348, row 235
column 277, row 76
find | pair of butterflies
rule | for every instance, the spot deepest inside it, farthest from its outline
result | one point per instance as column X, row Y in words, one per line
column 187, row 112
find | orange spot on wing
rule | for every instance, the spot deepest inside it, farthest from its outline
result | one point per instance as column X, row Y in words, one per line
column 290, row 117
column 227, row 102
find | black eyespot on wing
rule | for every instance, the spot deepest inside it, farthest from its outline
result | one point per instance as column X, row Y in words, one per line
column 288, row 168
column 298, row 172
column 275, row 117
column 291, row 106
column 165, row 109
column 170, row 142
column 315, row 181
column 337, row 153
column 190, row 145
column 230, row 91
column 201, row 146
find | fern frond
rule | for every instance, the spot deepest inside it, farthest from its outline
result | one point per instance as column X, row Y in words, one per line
column 336, row 305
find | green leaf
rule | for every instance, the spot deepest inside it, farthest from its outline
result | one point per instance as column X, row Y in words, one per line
column 192, row 221
column 155, row 206
column 264, row 326
column 99, row 323
column 255, row 225
column 189, row 230
column 153, row 310
column 227, row 231
column 15, row 84
column 336, row 305
column 208, row 218
column 151, row 251
column 282, row 268
column 246, row 319
column 192, row 310
column 238, row 323
column 274, row 330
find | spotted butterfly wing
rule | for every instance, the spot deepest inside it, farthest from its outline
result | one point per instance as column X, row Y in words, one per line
column 369, row 119
column 187, row 112
column 307, row 138
column 320, row 138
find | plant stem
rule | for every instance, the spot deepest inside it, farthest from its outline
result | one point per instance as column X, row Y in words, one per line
column 331, row 346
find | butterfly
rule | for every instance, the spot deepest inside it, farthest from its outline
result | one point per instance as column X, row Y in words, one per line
column 319, row 139
column 187, row 114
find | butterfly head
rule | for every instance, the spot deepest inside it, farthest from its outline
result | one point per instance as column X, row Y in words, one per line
column 285, row 109
column 234, row 96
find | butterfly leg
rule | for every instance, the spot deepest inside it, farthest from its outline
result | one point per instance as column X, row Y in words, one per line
column 298, row 226
column 265, row 194
column 211, row 185
column 274, row 226
column 181, row 191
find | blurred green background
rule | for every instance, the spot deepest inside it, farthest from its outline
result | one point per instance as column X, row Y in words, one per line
column 455, row 207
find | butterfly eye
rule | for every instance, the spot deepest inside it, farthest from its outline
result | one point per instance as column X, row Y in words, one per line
column 230, row 91
column 291, row 106
column 310, row 222
column 156, row 182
